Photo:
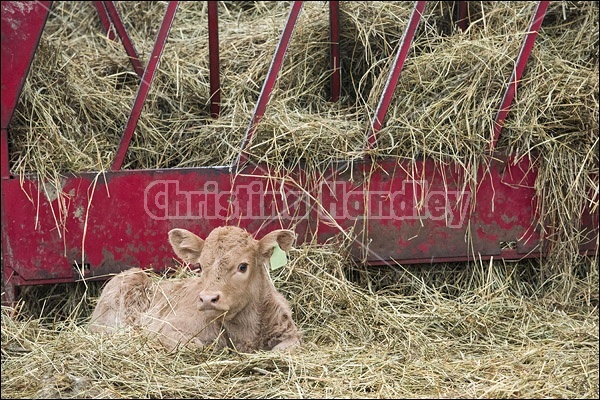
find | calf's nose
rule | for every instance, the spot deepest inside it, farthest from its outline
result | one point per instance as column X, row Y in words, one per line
column 209, row 300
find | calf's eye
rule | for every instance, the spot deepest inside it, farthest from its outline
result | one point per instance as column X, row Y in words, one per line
column 243, row 267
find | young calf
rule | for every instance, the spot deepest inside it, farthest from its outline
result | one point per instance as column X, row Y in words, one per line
column 232, row 303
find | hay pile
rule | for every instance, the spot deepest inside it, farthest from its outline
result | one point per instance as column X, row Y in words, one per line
column 482, row 330
column 527, row 329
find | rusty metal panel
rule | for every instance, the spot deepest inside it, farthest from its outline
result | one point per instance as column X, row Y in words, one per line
column 423, row 212
column 402, row 211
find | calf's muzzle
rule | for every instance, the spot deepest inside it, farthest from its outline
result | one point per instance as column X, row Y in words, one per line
column 209, row 300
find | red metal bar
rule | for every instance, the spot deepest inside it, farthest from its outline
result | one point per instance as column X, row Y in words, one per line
column 509, row 94
column 269, row 84
column 390, row 85
column 105, row 20
column 213, row 51
column 19, row 42
column 144, row 87
column 334, row 32
column 120, row 27
column 462, row 16
column 4, row 167
column 22, row 24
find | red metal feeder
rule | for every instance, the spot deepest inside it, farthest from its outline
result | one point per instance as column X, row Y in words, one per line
column 408, row 211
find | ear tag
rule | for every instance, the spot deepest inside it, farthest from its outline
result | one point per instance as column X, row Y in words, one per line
column 278, row 259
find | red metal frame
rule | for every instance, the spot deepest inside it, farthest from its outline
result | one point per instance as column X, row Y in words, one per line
column 105, row 20
column 131, row 212
column 213, row 51
column 125, row 39
column 145, row 83
column 334, row 34
column 406, row 211
column 462, row 15
column 390, row 85
column 269, row 84
column 18, row 48
column 515, row 78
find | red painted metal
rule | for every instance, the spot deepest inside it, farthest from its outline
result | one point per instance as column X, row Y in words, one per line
column 269, row 84
column 403, row 211
column 4, row 164
column 462, row 15
column 144, row 87
column 511, row 89
column 19, row 41
column 213, row 51
column 390, row 85
column 125, row 39
column 334, row 33
column 105, row 20
column 21, row 27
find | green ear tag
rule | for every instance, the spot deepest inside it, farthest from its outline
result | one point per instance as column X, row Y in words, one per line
column 278, row 259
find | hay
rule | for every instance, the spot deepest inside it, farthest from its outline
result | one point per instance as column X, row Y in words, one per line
column 452, row 331
column 527, row 329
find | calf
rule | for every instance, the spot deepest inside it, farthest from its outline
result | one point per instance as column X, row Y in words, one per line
column 232, row 303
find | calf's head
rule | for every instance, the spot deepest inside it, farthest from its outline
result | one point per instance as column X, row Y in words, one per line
column 233, row 265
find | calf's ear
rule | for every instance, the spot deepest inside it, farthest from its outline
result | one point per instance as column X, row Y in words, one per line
column 186, row 245
column 283, row 237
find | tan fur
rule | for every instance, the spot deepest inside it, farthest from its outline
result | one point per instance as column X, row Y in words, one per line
column 224, row 305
